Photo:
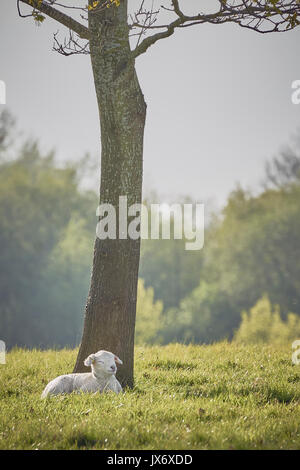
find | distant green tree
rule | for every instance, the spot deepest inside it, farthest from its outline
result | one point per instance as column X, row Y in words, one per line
column 200, row 317
column 62, row 285
column 263, row 324
column 46, row 254
column 252, row 248
column 6, row 126
column 148, row 316
column 168, row 267
column 172, row 271
column 258, row 248
column 37, row 202
column 284, row 169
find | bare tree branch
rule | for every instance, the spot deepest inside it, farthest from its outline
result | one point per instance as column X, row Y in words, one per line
column 149, row 41
column 59, row 16
column 70, row 46
column 148, row 18
column 263, row 16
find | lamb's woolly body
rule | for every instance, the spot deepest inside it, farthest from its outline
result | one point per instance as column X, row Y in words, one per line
column 81, row 383
column 101, row 379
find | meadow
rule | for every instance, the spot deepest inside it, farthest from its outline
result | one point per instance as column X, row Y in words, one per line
column 220, row 396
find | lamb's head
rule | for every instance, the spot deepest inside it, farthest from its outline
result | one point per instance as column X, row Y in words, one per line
column 103, row 363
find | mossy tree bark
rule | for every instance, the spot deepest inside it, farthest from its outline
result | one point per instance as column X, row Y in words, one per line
column 111, row 305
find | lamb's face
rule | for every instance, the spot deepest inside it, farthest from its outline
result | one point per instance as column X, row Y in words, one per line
column 103, row 362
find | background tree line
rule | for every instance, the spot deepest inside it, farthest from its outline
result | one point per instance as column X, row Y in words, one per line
column 250, row 262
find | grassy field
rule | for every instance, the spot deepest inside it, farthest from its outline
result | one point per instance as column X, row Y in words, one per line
column 221, row 396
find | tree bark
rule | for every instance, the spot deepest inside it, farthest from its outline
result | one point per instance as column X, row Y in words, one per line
column 111, row 305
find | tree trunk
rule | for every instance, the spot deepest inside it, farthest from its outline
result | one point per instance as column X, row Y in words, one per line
column 111, row 305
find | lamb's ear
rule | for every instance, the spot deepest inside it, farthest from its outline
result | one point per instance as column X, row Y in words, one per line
column 118, row 360
column 89, row 360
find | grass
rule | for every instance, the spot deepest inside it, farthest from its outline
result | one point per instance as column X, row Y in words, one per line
column 222, row 396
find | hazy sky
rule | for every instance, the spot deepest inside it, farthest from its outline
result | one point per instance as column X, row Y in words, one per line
column 219, row 101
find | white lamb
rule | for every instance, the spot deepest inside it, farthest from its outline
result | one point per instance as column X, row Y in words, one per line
column 101, row 379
